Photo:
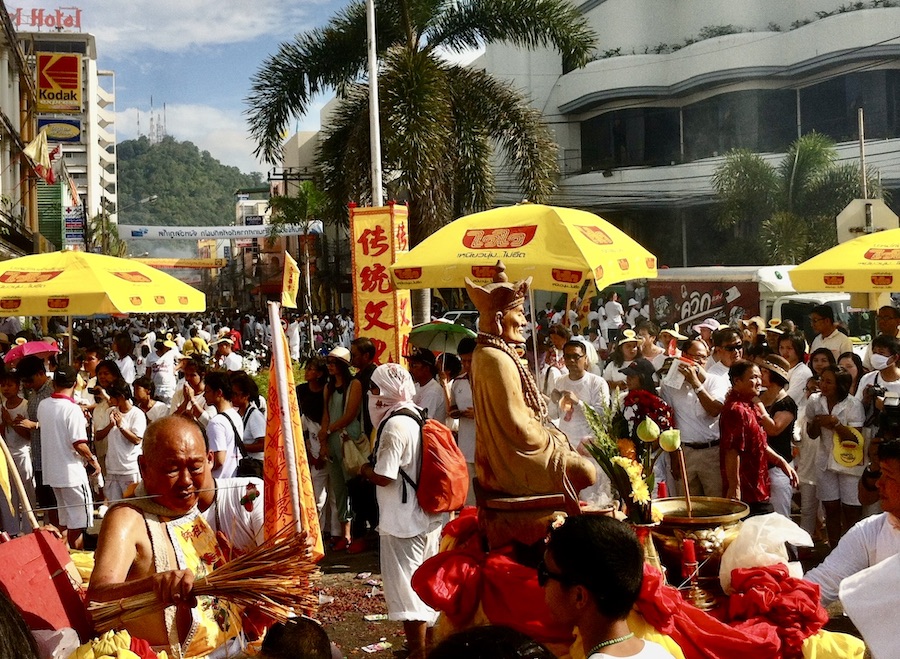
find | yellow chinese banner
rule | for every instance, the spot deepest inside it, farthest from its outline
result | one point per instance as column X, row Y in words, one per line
column 288, row 493
column 290, row 282
column 382, row 312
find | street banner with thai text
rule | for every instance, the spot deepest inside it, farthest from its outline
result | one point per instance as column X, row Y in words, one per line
column 382, row 312
column 144, row 232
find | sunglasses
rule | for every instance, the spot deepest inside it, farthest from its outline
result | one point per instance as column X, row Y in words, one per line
column 733, row 348
column 544, row 575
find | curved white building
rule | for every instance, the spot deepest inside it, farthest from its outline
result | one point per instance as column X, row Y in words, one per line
column 642, row 128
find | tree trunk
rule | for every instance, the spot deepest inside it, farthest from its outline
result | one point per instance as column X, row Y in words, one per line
column 421, row 305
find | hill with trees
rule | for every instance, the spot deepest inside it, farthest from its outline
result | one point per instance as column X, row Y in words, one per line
column 191, row 187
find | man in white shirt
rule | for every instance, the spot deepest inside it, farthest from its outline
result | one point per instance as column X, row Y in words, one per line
column 409, row 536
column 225, row 429
column 697, row 404
column 888, row 320
column 572, row 392
column 64, row 455
column 871, row 540
column 615, row 316
column 430, row 394
column 728, row 348
column 226, row 357
column 829, row 336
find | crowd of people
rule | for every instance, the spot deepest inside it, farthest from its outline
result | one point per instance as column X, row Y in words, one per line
column 164, row 411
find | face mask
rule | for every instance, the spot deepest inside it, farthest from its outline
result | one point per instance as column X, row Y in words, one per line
column 879, row 361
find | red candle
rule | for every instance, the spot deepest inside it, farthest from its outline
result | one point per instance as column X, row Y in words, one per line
column 662, row 491
column 688, row 551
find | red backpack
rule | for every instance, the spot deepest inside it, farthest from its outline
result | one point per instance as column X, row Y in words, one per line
column 443, row 482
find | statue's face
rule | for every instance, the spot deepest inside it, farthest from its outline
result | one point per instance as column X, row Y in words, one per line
column 512, row 323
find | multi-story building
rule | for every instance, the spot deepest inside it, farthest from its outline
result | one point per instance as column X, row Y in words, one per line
column 677, row 83
column 18, row 195
column 86, row 132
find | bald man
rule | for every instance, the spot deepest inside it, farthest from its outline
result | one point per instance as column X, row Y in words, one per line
column 158, row 542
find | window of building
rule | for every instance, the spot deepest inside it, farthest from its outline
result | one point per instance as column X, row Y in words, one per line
column 635, row 136
column 830, row 107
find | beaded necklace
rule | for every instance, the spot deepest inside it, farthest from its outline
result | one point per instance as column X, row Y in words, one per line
column 612, row 641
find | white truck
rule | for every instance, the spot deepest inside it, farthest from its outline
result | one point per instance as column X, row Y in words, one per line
column 727, row 293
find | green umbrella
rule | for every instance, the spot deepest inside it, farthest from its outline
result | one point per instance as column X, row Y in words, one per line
column 439, row 336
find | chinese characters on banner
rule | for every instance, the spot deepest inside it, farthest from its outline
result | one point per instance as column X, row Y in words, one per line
column 382, row 313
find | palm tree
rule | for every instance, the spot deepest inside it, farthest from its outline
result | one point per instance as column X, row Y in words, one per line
column 440, row 122
column 786, row 214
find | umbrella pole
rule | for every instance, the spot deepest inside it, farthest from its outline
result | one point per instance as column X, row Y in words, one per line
column 69, row 330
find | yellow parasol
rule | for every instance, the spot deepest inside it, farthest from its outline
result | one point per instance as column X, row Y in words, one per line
column 868, row 264
column 559, row 247
column 70, row 283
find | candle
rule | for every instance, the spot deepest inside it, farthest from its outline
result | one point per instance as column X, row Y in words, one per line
column 688, row 551
column 662, row 491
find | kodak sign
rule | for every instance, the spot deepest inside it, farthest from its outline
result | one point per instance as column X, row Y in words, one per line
column 58, row 82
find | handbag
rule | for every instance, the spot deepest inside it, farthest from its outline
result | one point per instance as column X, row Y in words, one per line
column 247, row 465
column 355, row 452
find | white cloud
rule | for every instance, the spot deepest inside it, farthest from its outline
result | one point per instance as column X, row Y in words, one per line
column 127, row 26
column 224, row 134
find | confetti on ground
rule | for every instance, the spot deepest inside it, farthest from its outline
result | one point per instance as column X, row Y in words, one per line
column 375, row 617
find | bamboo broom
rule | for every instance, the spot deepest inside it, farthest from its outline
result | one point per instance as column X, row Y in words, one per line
column 275, row 578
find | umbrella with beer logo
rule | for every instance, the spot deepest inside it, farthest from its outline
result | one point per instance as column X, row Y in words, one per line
column 868, row 264
column 70, row 283
column 560, row 248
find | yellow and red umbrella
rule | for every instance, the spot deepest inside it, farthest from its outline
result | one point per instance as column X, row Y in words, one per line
column 70, row 283
column 868, row 264
column 560, row 248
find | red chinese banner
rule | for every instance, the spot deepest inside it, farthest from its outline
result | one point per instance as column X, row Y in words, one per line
column 382, row 312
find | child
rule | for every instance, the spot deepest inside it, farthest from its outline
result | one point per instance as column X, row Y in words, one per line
column 591, row 575
column 15, row 408
column 127, row 424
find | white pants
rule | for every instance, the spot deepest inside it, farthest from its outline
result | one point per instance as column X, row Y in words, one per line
column 400, row 558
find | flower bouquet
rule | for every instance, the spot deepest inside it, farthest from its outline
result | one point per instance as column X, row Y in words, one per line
column 629, row 464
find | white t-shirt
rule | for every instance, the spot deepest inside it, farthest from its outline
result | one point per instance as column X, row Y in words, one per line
column 163, row 372
column 591, row 390
column 62, row 427
column 867, row 543
column 837, row 342
column 461, row 396
column 400, row 447
column 850, row 412
column 430, row 397
column 158, row 411
column 242, row 527
column 875, row 378
column 121, row 454
column 799, row 376
column 651, row 651
column 16, row 442
column 254, row 428
column 614, row 312
column 221, row 438
column 233, row 362
column 691, row 419
column 126, row 366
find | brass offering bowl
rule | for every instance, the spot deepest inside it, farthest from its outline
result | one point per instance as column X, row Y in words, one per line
column 714, row 523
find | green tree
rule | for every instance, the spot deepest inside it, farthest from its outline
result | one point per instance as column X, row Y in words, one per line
column 102, row 235
column 786, row 214
column 440, row 121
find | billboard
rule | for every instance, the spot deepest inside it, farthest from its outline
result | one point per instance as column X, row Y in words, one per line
column 58, row 82
column 60, row 130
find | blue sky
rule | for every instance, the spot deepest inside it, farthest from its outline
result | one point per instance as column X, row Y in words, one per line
column 197, row 57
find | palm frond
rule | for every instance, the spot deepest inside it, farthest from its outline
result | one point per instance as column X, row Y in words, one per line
column 808, row 157
column 329, row 57
column 525, row 23
column 747, row 186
